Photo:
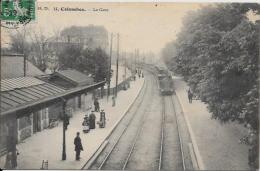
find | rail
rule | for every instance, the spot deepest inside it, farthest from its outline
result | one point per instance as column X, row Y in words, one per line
column 162, row 134
column 179, row 136
column 125, row 128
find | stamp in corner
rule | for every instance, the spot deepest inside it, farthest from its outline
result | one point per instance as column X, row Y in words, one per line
column 17, row 12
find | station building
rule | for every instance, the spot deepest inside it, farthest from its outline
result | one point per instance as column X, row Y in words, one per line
column 30, row 99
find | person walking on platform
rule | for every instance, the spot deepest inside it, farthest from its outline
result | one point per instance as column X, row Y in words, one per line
column 78, row 146
column 96, row 104
column 113, row 101
column 92, row 120
column 102, row 119
column 190, row 95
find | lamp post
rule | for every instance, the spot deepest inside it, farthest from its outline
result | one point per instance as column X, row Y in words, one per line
column 109, row 71
column 65, row 124
column 117, row 59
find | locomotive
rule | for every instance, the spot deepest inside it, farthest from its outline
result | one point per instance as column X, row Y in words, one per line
column 165, row 82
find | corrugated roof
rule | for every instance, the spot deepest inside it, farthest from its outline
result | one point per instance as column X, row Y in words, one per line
column 17, row 92
column 12, row 66
column 21, row 82
column 76, row 77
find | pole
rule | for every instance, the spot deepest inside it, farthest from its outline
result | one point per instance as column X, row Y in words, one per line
column 135, row 60
column 64, row 134
column 117, row 63
column 138, row 60
column 132, row 56
column 68, row 37
column 125, row 65
column 125, row 83
column 109, row 71
column 24, row 65
column 24, row 58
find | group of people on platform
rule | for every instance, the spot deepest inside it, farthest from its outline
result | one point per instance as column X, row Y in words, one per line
column 139, row 73
column 89, row 122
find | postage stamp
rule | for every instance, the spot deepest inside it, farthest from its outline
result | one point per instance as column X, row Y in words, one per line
column 17, row 12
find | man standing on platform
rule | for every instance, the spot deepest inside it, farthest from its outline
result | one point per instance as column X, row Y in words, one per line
column 78, row 146
column 96, row 104
column 190, row 95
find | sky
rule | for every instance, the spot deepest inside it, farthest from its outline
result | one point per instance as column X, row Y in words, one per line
column 146, row 26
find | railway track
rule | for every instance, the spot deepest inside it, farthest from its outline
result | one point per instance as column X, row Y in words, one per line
column 171, row 151
column 131, row 120
column 169, row 142
column 136, row 145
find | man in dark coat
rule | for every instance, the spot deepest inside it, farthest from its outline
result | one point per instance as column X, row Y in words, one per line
column 96, row 104
column 78, row 146
column 113, row 101
column 190, row 95
column 92, row 120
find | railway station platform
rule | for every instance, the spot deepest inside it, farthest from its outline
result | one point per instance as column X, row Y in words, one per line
column 216, row 145
column 47, row 145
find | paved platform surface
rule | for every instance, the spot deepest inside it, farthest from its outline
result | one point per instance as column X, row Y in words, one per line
column 47, row 145
column 217, row 144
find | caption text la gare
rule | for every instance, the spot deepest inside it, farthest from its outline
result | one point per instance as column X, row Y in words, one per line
column 72, row 9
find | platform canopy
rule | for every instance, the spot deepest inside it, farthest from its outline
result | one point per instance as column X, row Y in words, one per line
column 19, row 95
column 17, row 92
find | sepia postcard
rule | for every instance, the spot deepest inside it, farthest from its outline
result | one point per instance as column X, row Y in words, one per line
column 129, row 85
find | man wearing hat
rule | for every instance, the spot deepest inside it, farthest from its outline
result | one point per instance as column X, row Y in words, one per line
column 96, row 104
column 78, row 146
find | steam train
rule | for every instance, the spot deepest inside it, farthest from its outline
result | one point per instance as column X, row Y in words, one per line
column 165, row 82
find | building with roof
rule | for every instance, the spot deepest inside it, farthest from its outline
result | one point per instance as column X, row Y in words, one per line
column 29, row 103
column 69, row 79
column 18, row 93
column 14, row 65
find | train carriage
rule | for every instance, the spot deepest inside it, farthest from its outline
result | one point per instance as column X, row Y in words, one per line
column 166, row 86
column 165, row 82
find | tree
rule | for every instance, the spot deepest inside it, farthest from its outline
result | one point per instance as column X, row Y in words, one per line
column 39, row 45
column 168, row 52
column 94, row 62
column 101, row 64
column 217, row 54
column 32, row 44
column 19, row 41
column 69, row 57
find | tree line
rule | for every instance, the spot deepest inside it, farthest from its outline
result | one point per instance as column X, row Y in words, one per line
column 217, row 54
column 90, row 61
column 57, row 52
